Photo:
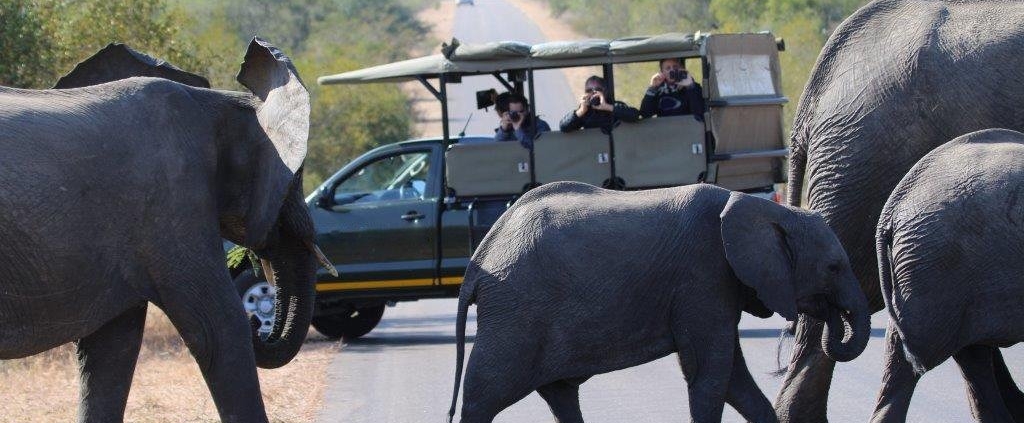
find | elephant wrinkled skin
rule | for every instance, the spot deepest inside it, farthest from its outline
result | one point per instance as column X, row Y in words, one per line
column 575, row 280
column 118, row 194
column 895, row 80
column 949, row 244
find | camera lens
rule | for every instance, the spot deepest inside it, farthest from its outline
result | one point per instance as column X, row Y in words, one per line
column 514, row 115
column 677, row 74
column 595, row 101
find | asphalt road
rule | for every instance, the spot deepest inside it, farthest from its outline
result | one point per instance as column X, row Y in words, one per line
column 403, row 371
column 497, row 20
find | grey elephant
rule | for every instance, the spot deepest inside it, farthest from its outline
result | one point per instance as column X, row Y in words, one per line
column 575, row 280
column 118, row 194
column 949, row 244
column 895, row 80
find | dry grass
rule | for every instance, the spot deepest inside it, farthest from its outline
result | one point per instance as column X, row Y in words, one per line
column 167, row 386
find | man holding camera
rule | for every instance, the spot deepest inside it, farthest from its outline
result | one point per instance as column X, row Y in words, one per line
column 673, row 92
column 517, row 124
column 596, row 110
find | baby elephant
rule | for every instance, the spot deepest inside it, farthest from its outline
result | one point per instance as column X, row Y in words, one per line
column 575, row 280
column 950, row 241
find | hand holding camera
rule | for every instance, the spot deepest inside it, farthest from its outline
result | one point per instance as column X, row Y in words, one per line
column 506, row 121
column 517, row 118
column 657, row 80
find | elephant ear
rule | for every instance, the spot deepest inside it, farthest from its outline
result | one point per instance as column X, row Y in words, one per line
column 754, row 235
column 118, row 61
column 283, row 119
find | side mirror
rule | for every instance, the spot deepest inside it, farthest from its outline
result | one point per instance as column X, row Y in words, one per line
column 322, row 200
column 485, row 98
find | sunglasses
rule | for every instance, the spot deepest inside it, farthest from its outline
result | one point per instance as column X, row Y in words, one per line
column 590, row 90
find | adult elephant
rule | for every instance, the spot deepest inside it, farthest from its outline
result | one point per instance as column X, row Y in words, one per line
column 895, row 80
column 118, row 194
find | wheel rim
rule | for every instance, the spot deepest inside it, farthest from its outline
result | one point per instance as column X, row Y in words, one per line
column 258, row 301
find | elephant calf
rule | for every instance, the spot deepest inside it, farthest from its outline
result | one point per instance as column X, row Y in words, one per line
column 949, row 244
column 575, row 280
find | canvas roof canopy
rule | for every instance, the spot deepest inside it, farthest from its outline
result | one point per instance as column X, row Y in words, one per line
column 459, row 59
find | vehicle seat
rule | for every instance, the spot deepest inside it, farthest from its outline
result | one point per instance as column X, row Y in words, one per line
column 661, row 151
column 496, row 168
column 582, row 156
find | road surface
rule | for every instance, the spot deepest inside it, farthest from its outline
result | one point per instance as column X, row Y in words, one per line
column 403, row 371
column 497, row 20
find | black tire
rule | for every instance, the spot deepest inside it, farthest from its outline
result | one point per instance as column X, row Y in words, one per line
column 345, row 326
column 257, row 299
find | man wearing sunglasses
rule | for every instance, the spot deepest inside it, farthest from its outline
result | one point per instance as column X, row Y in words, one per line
column 597, row 110
column 672, row 92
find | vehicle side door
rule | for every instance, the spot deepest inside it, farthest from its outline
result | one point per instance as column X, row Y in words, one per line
column 378, row 223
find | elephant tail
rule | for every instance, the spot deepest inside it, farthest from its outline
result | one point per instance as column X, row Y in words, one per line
column 883, row 246
column 467, row 295
column 797, row 168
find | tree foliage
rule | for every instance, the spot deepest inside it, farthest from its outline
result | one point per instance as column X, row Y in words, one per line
column 804, row 24
column 41, row 40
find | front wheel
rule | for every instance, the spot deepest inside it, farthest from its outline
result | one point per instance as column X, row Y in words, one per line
column 349, row 325
column 258, row 297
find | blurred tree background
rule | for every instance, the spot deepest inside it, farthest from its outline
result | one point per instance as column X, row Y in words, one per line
column 41, row 40
column 804, row 24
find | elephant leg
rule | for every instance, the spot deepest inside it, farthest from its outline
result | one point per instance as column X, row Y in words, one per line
column 898, row 382
column 707, row 363
column 1012, row 396
column 987, row 405
column 107, row 360
column 205, row 309
column 496, row 377
column 563, row 397
column 744, row 394
column 804, row 393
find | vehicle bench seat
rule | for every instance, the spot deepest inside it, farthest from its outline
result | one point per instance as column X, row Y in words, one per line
column 581, row 156
column 494, row 168
column 661, row 151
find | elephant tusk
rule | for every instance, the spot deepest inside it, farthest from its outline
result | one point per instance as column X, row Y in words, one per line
column 320, row 257
column 268, row 271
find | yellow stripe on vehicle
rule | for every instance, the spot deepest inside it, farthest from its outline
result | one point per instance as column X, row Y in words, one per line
column 451, row 280
column 401, row 283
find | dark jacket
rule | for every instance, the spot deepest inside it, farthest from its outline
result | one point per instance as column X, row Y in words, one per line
column 600, row 118
column 667, row 100
column 525, row 134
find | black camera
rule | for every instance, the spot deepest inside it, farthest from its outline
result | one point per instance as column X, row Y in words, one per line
column 595, row 101
column 677, row 74
column 513, row 115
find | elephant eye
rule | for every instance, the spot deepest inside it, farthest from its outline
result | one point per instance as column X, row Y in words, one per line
column 834, row 268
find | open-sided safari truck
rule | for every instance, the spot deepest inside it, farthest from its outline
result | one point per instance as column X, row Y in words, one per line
column 401, row 221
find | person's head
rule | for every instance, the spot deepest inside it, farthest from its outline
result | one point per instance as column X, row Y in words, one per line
column 670, row 67
column 518, row 104
column 501, row 102
column 594, row 84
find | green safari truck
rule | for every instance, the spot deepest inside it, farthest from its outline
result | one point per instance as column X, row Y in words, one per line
column 401, row 221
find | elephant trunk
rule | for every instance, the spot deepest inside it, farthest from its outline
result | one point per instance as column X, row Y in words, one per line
column 848, row 325
column 291, row 265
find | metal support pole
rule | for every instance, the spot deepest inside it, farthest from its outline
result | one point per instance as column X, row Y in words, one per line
column 533, row 116
column 443, row 96
column 609, row 80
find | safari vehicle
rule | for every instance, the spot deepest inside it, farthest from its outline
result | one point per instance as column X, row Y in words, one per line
column 401, row 222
